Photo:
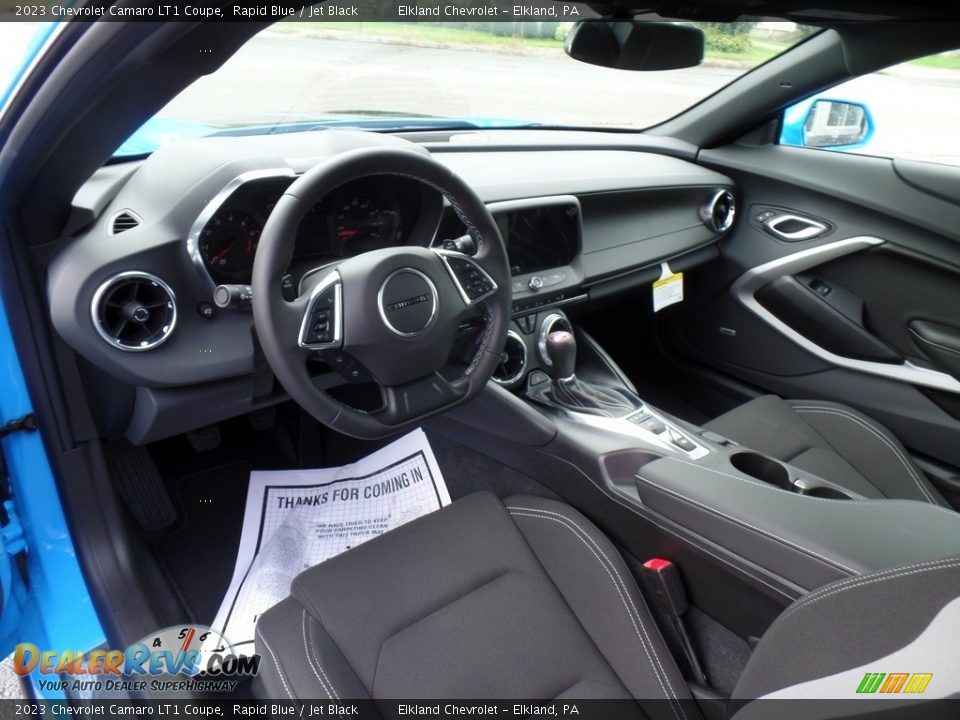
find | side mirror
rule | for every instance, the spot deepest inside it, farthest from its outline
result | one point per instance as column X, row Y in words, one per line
column 635, row 45
column 827, row 124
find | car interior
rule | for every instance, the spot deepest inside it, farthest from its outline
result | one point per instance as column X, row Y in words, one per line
column 784, row 438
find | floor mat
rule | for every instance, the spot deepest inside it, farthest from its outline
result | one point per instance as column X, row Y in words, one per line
column 197, row 555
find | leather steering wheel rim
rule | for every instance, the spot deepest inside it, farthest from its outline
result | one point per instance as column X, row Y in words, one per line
column 279, row 323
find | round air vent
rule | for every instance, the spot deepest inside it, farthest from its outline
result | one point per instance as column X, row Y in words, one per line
column 134, row 311
column 513, row 360
column 720, row 211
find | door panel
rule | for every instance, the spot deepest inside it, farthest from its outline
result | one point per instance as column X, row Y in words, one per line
column 869, row 308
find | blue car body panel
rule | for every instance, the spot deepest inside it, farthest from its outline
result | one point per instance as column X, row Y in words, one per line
column 56, row 612
column 54, row 609
column 160, row 131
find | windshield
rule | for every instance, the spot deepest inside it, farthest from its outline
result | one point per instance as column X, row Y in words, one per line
column 300, row 76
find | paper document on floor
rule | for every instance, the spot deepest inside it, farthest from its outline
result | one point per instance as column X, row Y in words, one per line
column 295, row 519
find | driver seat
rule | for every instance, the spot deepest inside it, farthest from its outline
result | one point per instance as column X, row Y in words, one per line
column 526, row 599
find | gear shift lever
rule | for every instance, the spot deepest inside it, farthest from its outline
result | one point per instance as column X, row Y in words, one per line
column 562, row 349
column 577, row 395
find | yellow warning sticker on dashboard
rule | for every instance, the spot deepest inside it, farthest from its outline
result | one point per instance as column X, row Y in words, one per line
column 668, row 290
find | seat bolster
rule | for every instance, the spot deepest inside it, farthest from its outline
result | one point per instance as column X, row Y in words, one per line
column 869, row 447
column 299, row 659
column 767, row 424
column 600, row 590
column 903, row 619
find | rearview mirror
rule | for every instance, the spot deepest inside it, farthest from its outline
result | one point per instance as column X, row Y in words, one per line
column 827, row 124
column 635, row 45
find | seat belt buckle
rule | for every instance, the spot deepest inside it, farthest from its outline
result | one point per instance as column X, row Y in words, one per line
column 663, row 586
column 664, row 590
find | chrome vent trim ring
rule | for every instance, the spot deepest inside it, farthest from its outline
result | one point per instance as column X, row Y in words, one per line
column 520, row 353
column 720, row 211
column 119, row 302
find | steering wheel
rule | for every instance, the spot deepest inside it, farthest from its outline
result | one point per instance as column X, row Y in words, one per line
column 390, row 316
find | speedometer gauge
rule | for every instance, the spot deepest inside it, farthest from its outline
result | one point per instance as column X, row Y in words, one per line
column 362, row 224
column 227, row 246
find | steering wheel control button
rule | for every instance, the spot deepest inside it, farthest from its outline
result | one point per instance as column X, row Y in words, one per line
column 321, row 322
column 408, row 302
column 338, row 360
column 356, row 373
column 472, row 280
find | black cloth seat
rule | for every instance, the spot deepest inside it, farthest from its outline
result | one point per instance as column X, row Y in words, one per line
column 831, row 440
column 526, row 599
column 483, row 599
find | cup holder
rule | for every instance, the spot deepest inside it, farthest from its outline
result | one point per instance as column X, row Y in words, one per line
column 762, row 468
column 829, row 493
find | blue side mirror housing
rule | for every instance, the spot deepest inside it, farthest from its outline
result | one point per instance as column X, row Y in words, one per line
column 827, row 124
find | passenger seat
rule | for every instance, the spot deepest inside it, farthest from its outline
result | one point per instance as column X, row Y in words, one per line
column 830, row 440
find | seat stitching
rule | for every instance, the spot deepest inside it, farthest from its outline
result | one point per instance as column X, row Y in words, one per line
column 882, row 575
column 806, row 602
column 795, row 546
column 819, row 409
column 276, row 664
column 670, row 694
column 879, row 573
column 634, row 616
column 313, row 648
column 306, row 651
column 876, row 431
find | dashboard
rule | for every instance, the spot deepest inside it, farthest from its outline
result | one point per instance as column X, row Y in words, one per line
column 581, row 222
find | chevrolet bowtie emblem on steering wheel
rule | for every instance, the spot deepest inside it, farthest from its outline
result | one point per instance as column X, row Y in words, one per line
column 408, row 302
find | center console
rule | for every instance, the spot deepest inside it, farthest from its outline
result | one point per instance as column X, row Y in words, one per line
column 796, row 530
column 787, row 530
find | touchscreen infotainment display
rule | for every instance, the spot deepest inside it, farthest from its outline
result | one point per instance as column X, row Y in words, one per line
column 540, row 237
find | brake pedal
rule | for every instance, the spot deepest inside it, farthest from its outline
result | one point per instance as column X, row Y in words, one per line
column 205, row 438
column 263, row 419
column 139, row 484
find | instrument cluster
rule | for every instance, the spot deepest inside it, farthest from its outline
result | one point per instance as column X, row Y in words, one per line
column 362, row 215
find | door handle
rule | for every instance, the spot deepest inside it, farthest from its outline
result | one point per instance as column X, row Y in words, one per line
column 794, row 228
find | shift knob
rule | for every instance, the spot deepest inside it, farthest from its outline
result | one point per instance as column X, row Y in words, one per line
column 562, row 349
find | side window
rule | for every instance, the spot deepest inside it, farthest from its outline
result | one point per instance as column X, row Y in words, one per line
column 909, row 111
